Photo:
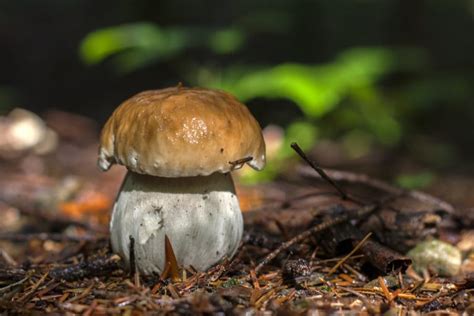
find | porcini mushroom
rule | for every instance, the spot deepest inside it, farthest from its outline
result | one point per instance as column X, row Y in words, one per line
column 179, row 145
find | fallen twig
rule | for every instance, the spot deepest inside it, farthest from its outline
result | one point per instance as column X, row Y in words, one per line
column 359, row 244
column 384, row 258
column 131, row 250
column 319, row 170
column 18, row 237
column 11, row 286
column 28, row 295
column 12, row 274
column 237, row 164
column 363, row 212
column 99, row 266
column 353, row 177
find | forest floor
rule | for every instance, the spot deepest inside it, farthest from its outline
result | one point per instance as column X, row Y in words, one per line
column 307, row 247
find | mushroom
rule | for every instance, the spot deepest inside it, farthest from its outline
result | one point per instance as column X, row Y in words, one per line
column 179, row 146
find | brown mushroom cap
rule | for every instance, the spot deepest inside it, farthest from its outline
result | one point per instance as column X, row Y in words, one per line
column 181, row 132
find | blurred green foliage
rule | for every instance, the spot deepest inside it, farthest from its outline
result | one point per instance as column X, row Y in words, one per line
column 316, row 89
column 343, row 98
column 226, row 41
column 415, row 181
column 132, row 46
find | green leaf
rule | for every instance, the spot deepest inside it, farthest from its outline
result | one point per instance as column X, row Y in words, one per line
column 140, row 42
column 317, row 90
column 415, row 181
column 226, row 41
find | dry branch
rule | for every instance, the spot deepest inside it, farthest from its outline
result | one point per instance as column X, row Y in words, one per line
column 96, row 267
column 351, row 177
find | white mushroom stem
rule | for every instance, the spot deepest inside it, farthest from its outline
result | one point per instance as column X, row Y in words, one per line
column 200, row 215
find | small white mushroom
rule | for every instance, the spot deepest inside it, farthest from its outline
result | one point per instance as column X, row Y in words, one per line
column 179, row 145
column 23, row 131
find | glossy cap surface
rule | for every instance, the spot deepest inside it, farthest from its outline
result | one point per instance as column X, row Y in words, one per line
column 181, row 132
